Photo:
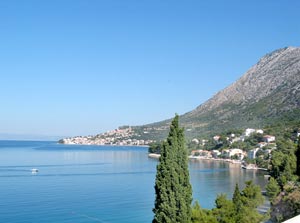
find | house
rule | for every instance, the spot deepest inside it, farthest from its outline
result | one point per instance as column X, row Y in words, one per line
column 196, row 141
column 229, row 153
column 215, row 153
column 202, row 153
column 248, row 132
column 216, row 138
column 252, row 153
column 269, row 138
column 259, row 131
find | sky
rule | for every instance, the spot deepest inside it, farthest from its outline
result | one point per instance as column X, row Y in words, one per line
column 81, row 67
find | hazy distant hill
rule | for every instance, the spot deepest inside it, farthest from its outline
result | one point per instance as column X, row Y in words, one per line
column 268, row 92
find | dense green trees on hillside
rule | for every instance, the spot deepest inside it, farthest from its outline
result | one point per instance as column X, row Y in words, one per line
column 172, row 186
column 284, row 187
column 283, row 162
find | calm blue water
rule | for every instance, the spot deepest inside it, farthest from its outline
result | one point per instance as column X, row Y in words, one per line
column 85, row 184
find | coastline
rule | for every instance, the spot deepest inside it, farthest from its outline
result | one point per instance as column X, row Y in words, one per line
column 215, row 159
column 113, row 145
column 155, row 155
column 237, row 162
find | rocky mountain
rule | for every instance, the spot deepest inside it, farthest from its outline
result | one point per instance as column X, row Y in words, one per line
column 268, row 92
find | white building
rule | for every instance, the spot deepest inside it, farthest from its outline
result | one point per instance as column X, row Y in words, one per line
column 248, row 132
column 269, row 138
column 215, row 153
column 232, row 152
column 260, row 131
column 196, row 141
column 216, row 138
column 252, row 153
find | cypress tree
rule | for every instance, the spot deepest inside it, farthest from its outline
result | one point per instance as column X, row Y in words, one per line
column 237, row 198
column 172, row 185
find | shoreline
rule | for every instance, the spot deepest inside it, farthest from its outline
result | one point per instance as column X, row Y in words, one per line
column 216, row 159
column 67, row 144
column 156, row 156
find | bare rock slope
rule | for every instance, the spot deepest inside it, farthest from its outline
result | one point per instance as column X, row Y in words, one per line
column 268, row 91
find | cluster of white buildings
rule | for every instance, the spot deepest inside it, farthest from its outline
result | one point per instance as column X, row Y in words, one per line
column 236, row 153
column 121, row 137
column 215, row 154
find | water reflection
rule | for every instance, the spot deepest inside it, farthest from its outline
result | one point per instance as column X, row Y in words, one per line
column 210, row 178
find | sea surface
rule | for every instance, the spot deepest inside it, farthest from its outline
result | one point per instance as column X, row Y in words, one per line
column 86, row 184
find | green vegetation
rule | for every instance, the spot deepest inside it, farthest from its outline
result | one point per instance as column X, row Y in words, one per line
column 272, row 189
column 172, row 186
column 283, row 162
column 284, row 187
column 155, row 147
column 278, row 120
column 241, row 209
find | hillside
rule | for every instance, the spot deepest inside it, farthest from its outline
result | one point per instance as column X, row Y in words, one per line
column 268, row 92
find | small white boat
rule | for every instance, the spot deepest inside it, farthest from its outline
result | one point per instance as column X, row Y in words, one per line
column 34, row 171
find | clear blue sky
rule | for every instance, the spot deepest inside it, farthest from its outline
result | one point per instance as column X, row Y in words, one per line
column 82, row 67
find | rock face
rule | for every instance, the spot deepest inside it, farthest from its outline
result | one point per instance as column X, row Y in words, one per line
column 267, row 91
column 277, row 69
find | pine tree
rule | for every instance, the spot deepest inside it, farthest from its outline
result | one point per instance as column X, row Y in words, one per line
column 272, row 188
column 172, row 186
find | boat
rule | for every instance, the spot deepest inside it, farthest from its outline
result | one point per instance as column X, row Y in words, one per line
column 34, row 171
column 249, row 167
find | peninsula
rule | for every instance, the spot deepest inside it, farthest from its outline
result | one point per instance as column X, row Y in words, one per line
column 123, row 136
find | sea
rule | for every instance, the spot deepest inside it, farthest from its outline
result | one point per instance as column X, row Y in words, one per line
column 86, row 184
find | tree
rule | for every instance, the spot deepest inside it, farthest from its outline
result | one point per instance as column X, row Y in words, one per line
column 172, row 185
column 237, row 198
column 284, row 163
column 155, row 147
column 200, row 215
column 272, row 189
column 225, row 210
column 251, row 195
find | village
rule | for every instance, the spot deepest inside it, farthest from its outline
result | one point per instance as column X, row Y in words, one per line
column 118, row 137
column 244, row 157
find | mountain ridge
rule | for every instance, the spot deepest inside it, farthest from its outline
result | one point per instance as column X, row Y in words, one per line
column 264, row 93
column 268, row 92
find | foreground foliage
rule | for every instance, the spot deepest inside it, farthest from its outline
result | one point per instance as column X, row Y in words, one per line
column 172, row 186
column 241, row 209
column 284, row 187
